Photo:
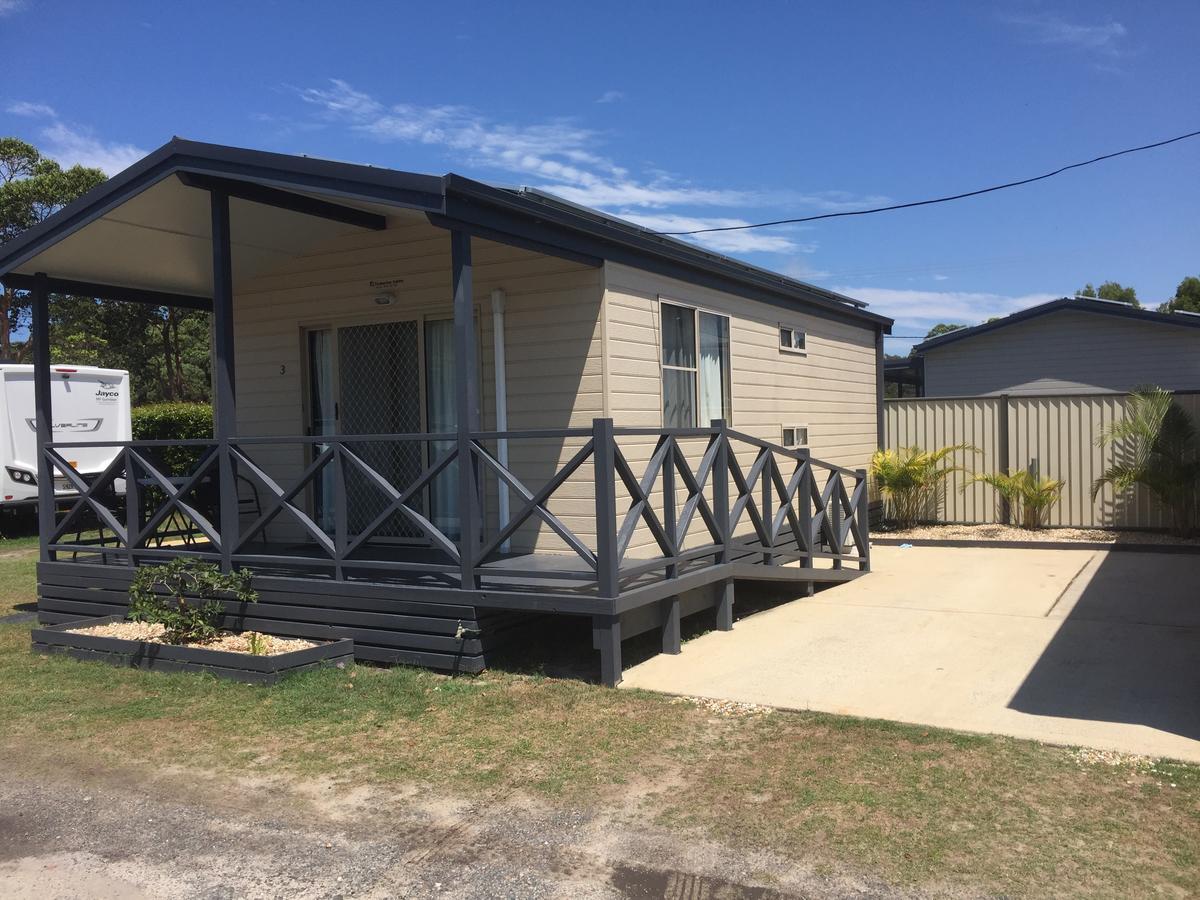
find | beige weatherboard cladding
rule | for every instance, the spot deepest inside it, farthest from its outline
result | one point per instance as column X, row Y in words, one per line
column 581, row 342
column 830, row 388
column 554, row 369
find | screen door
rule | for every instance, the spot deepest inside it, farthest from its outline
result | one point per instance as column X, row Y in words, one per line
column 366, row 379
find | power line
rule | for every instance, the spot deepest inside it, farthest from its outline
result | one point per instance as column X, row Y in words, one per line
column 987, row 190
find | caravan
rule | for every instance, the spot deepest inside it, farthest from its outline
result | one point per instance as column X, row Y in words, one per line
column 90, row 405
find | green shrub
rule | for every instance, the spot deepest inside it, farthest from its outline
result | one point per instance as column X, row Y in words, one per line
column 174, row 422
column 1029, row 496
column 189, row 609
column 909, row 479
column 1160, row 450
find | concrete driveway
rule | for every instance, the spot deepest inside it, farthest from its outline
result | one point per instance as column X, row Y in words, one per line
column 1080, row 647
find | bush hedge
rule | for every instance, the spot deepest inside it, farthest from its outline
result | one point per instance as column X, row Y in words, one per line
column 174, row 422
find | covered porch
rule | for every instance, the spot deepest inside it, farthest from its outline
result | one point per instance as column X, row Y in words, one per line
column 424, row 517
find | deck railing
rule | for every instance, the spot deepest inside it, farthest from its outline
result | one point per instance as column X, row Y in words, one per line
column 705, row 497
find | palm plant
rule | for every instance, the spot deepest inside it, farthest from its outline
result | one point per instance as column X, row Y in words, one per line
column 1028, row 495
column 909, row 478
column 1162, row 454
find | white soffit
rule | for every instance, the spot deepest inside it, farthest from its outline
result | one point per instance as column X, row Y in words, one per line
column 160, row 240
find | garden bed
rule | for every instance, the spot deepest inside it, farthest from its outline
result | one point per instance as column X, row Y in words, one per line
column 1045, row 538
column 114, row 640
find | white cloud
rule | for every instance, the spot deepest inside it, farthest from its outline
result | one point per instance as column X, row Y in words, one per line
column 562, row 157
column 802, row 270
column 71, row 146
column 611, row 97
column 1050, row 29
column 915, row 311
column 10, row 6
column 828, row 201
column 752, row 241
column 941, row 277
column 32, row 110
column 559, row 155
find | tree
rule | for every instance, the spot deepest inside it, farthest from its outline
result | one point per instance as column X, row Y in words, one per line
column 1110, row 290
column 942, row 328
column 32, row 188
column 1187, row 297
column 165, row 350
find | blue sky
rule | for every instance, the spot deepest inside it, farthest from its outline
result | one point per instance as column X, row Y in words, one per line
column 686, row 114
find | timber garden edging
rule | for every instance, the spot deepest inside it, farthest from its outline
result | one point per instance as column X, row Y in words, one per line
column 245, row 667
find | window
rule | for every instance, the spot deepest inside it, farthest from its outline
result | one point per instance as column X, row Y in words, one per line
column 791, row 339
column 695, row 366
column 795, row 436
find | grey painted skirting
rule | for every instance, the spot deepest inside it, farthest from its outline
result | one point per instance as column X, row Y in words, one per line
column 451, row 637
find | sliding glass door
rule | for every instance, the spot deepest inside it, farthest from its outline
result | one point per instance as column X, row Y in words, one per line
column 384, row 378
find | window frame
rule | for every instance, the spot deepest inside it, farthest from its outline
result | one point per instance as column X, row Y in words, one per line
column 796, row 444
column 727, row 369
column 802, row 350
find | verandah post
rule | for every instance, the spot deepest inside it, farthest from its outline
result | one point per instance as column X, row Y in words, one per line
column 606, row 624
column 863, row 514
column 833, row 513
column 804, row 514
column 466, row 397
column 225, row 410
column 133, row 506
column 721, row 512
column 720, row 483
column 669, row 606
column 43, row 411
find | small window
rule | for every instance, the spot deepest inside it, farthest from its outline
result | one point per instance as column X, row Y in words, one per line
column 791, row 339
column 795, row 436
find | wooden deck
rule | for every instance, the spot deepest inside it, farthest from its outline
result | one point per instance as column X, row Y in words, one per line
column 449, row 601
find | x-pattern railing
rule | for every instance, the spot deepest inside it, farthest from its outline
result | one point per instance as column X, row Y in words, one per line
column 705, row 497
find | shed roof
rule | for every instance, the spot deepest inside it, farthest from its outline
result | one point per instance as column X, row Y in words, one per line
column 145, row 229
column 1071, row 304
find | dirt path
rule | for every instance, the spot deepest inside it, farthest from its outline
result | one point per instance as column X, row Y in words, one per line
column 107, row 837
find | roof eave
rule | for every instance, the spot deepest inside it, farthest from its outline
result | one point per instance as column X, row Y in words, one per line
column 1102, row 308
column 344, row 180
column 600, row 229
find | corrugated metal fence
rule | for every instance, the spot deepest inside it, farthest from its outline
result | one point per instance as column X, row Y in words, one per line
column 1052, row 434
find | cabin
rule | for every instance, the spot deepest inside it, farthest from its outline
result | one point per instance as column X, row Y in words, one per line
column 443, row 407
column 1074, row 345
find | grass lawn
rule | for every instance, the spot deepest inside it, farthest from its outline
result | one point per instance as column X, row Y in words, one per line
column 914, row 805
column 18, row 573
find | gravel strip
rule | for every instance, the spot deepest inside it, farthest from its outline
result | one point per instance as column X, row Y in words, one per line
column 226, row 640
column 1012, row 533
